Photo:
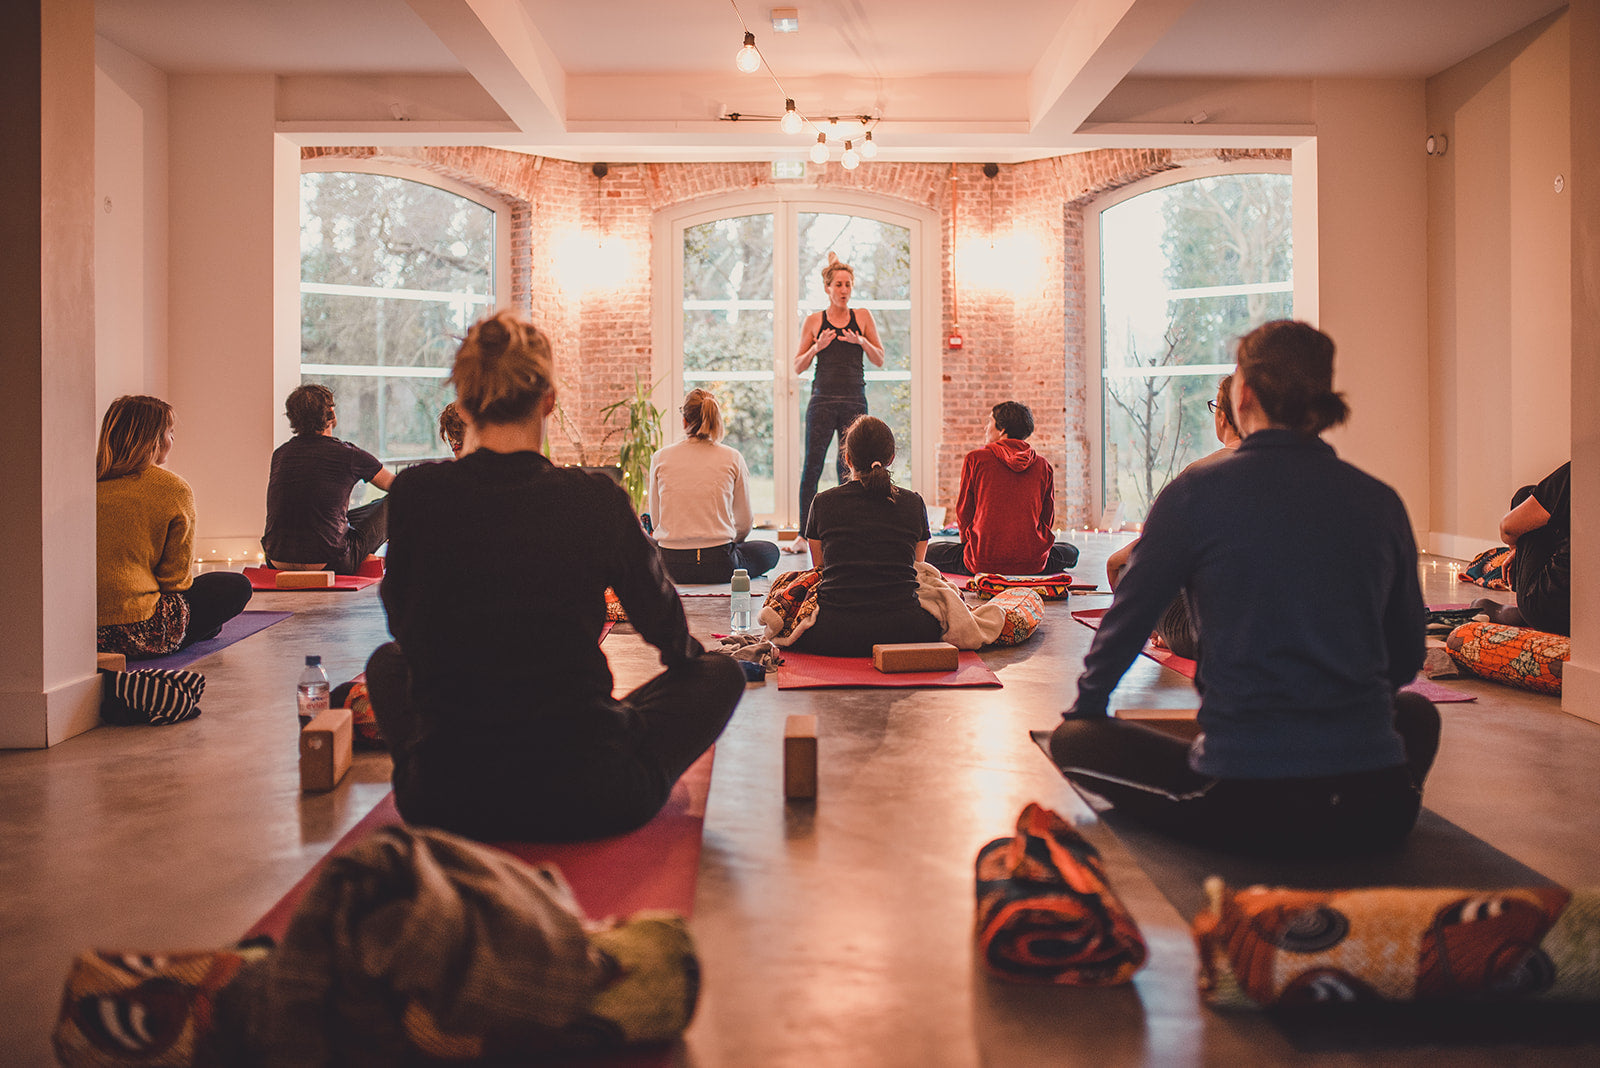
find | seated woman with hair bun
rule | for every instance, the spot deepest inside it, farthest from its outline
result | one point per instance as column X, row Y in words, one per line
column 148, row 604
column 700, row 501
column 867, row 536
column 1302, row 573
column 495, row 697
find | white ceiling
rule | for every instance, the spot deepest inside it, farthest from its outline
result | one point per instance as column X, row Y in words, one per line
column 643, row 79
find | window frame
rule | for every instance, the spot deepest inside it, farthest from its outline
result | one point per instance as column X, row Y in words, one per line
column 1094, row 383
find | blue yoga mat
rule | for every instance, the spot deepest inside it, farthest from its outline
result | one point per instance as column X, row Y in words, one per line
column 239, row 627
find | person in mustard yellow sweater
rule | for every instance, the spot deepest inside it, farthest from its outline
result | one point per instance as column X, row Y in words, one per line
column 148, row 604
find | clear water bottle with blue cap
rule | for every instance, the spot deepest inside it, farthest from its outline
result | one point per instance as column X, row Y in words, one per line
column 739, row 619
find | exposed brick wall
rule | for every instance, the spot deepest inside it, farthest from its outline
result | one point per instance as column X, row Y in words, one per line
column 1028, row 346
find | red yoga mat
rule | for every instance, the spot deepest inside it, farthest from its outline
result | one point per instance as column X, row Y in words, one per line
column 807, row 671
column 1433, row 691
column 266, row 578
column 654, row 867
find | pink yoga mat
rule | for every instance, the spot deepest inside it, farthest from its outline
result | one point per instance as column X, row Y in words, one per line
column 266, row 578
column 1439, row 695
column 654, row 867
column 806, row 671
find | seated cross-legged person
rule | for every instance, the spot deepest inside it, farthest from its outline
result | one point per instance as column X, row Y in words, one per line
column 149, row 605
column 1539, row 527
column 700, row 501
column 866, row 536
column 495, row 697
column 1006, row 508
column 1303, row 573
column 310, row 525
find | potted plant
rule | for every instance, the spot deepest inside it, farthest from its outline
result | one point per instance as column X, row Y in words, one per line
column 641, row 437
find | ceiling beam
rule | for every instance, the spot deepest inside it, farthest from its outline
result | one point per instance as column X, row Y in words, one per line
column 504, row 51
column 1097, row 45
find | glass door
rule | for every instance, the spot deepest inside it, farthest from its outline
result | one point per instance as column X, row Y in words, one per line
column 734, row 269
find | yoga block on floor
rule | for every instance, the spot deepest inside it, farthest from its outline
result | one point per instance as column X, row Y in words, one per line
column 110, row 662
column 325, row 745
column 371, row 567
column 304, row 580
column 916, row 656
column 788, row 533
column 800, row 757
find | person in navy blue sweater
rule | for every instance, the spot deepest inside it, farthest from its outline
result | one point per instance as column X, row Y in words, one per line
column 1302, row 572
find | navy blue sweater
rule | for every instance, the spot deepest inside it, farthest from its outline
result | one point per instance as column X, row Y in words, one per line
column 1302, row 571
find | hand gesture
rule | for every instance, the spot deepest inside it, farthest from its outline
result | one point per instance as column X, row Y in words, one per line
column 825, row 338
column 851, row 336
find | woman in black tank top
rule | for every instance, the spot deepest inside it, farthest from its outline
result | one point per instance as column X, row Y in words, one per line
column 837, row 339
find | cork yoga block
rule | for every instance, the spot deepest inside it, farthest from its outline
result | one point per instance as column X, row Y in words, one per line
column 110, row 662
column 304, row 580
column 325, row 746
column 915, row 656
column 800, row 757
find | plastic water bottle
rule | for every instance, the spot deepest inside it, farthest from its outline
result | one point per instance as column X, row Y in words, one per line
column 311, row 692
column 740, row 618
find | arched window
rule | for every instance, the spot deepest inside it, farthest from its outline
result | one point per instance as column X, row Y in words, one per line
column 1181, row 265
column 392, row 272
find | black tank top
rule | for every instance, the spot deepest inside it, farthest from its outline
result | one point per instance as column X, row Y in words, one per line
column 839, row 371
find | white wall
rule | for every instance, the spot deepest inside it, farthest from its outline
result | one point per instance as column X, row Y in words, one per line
column 1500, row 293
column 1371, row 255
column 130, row 226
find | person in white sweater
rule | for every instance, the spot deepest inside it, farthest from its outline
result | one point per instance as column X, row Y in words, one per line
column 700, row 502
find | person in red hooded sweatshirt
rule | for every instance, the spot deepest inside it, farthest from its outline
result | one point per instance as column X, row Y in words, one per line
column 1006, row 510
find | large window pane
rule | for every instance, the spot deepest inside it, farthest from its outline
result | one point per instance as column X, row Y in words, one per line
column 392, row 274
column 1185, row 270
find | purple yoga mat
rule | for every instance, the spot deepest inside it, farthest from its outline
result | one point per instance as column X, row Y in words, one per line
column 239, row 627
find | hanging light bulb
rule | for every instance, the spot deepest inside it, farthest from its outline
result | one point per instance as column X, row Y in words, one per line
column 747, row 58
column 869, row 147
column 790, row 123
column 851, row 159
column 819, row 151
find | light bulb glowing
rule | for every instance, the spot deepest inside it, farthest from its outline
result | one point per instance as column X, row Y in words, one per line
column 869, row 147
column 850, row 160
column 790, row 123
column 748, row 59
column 819, row 151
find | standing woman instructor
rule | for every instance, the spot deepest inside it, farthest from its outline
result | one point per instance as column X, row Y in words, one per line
column 837, row 339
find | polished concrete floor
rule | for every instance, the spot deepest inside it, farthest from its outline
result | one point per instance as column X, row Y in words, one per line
column 833, row 933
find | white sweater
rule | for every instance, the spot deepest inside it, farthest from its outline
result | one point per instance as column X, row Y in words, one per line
column 699, row 495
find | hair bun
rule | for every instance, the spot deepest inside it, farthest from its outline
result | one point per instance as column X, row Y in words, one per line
column 493, row 337
column 833, row 257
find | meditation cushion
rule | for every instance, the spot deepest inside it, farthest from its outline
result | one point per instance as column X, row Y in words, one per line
column 790, row 604
column 1050, row 587
column 1490, row 569
column 1265, row 947
column 1517, row 656
column 1024, row 611
column 614, row 612
column 1045, row 911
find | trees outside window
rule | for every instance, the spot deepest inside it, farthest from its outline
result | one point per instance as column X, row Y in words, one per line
column 392, row 273
column 1186, row 268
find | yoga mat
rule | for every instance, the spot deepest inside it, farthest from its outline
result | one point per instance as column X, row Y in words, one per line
column 654, row 867
column 265, row 578
column 1433, row 691
column 1436, row 853
column 239, row 627
column 807, row 671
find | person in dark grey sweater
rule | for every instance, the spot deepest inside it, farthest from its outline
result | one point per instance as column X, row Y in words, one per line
column 495, row 698
column 1302, row 571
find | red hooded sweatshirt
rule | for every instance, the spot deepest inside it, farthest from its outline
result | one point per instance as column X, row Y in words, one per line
column 1006, row 511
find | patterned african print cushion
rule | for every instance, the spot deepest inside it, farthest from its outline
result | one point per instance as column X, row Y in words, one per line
column 1490, row 569
column 1517, row 656
column 1045, row 911
column 1263, row 947
column 1024, row 612
column 1050, row 587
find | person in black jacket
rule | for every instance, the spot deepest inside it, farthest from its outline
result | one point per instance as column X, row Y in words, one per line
column 495, row 698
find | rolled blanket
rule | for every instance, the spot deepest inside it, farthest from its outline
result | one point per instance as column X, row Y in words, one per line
column 1045, row 911
column 1263, row 947
column 791, row 605
column 1517, row 656
column 1050, row 587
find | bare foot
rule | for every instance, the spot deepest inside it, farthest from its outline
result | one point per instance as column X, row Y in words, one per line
column 798, row 545
column 1507, row 615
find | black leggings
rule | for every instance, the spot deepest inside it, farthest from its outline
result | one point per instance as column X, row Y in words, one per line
column 853, row 632
column 1145, row 774
column 949, row 557
column 718, row 563
column 214, row 598
column 609, row 776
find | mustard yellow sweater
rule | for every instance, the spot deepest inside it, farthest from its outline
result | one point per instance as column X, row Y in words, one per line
column 145, row 529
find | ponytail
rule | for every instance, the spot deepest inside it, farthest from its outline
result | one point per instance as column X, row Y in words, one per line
column 702, row 417
column 1289, row 367
column 869, row 449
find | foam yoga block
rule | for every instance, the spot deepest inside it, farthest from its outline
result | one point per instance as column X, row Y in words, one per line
column 325, row 746
column 800, row 757
column 303, row 580
column 1517, row 656
column 916, row 656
